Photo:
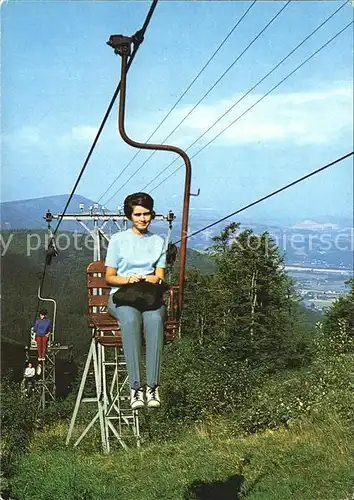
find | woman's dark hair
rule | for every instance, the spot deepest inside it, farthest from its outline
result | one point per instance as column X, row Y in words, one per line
column 138, row 199
column 43, row 311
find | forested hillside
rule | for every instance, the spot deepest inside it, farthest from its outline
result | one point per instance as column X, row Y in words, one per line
column 254, row 377
column 65, row 281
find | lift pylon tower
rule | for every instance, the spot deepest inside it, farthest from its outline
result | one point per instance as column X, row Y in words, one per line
column 100, row 218
column 106, row 362
column 112, row 396
column 45, row 386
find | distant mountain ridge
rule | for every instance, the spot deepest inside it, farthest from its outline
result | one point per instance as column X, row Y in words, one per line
column 311, row 224
column 321, row 223
column 28, row 214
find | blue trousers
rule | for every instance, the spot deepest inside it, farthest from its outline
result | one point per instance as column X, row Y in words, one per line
column 131, row 321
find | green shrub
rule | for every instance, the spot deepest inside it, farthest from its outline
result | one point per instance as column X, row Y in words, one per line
column 200, row 381
column 18, row 420
column 327, row 383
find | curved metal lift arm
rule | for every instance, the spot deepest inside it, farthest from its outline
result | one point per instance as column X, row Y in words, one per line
column 122, row 46
column 54, row 311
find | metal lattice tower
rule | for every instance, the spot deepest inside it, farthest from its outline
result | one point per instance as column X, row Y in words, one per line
column 106, row 363
column 112, row 397
column 112, row 393
column 45, row 384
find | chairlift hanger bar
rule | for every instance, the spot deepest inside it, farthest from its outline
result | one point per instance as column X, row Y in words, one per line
column 139, row 38
column 170, row 217
column 122, row 46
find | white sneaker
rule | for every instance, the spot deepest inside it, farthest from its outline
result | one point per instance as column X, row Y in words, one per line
column 137, row 399
column 152, row 397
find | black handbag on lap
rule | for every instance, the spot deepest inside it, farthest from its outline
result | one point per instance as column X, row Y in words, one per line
column 142, row 295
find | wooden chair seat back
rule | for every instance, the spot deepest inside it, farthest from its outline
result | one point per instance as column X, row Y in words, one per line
column 106, row 327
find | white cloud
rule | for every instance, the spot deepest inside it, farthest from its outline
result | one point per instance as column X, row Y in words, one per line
column 24, row 136
column 312, row 117
column 316, row 116
column 84, row 133
column 48, row 140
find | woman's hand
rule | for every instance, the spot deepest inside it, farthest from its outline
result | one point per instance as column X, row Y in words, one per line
column 152, row 278
column 135, row 278
column 115, row 280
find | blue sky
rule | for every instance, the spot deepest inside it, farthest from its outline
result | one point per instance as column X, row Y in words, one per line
column 58, row 76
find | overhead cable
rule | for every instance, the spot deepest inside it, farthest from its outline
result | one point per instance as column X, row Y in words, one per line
column 139, row 40
column 243, row 114
column 273, row 193
column 175, row 104
column 208, row 92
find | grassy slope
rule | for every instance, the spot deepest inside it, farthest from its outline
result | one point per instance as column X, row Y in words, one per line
column 306, row 462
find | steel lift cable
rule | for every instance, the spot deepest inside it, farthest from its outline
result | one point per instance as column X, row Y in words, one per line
column 207, row 93
column 50, row 251
column 138, row 39
column 177, row 102
column 273, row 193
column 243, row 114
column 248, row 92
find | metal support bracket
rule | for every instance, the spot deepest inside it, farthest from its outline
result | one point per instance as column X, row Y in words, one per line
column 115, row 43
column 195, row 194
column 48, row 216
column 121, row 44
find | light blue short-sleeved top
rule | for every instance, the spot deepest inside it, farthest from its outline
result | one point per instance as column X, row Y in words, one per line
column 131, row 253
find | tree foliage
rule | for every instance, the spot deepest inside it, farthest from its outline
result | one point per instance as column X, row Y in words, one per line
column 338, row 324
column 248, row 303
column 243, row 337
column 341, row 314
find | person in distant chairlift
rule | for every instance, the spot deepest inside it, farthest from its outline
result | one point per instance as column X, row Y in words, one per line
column 42, row 329
column 138, row 256
column 28, row 376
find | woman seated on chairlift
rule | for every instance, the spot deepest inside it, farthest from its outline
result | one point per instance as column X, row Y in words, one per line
column 134, row 256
